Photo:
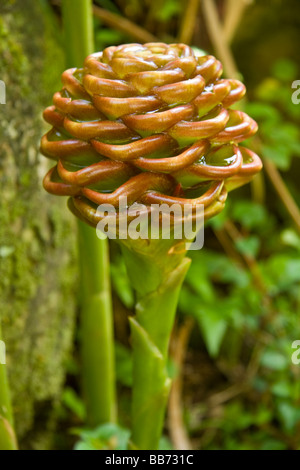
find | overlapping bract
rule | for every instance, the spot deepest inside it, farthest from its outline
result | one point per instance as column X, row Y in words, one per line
column 150, row 122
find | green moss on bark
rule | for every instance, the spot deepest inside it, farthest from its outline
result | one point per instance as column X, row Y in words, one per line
column 37, row 256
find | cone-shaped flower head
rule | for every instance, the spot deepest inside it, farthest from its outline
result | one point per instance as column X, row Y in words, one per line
column 150, row 122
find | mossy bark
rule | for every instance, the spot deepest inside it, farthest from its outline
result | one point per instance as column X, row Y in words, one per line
column 37, row 239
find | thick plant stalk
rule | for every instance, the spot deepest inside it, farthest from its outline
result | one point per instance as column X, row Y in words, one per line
column 95, row 302
column 78, row 30
column 96, row 327
column 156, row 274
column 7, row 434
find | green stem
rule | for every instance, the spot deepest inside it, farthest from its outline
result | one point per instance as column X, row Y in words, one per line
column 157, row 277
column 97, row 337
column 7, row 434
column 96, row 310
column 78, row 30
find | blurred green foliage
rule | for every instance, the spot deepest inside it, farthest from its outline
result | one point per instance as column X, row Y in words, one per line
column 161, row 17
column 109, row 437
column 106, row 437
column 278, row 117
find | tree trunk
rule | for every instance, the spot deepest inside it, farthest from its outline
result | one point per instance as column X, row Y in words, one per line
column 37, row 240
